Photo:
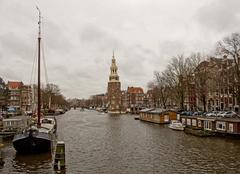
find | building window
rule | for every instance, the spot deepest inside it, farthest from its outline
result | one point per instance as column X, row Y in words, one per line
column 230, row 127
column 189, row 122
column 221, row 125
column 226, row 91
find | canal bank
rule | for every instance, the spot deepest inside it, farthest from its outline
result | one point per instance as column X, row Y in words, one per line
column 99, row 143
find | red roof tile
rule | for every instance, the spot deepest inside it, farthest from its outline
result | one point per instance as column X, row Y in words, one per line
column 14, row 85
column 135, row 90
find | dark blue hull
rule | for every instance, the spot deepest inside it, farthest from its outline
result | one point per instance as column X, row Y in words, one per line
column 32, row 144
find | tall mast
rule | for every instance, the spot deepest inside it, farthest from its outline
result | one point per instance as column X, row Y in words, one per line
column 39, row 70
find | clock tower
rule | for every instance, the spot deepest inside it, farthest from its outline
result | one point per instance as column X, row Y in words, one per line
column 114, row 89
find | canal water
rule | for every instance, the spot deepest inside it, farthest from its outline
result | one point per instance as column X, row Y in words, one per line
column 100, row 143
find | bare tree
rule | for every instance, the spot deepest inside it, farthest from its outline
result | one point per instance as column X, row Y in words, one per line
column 3, row 94
column 175, row 76
column 179, row 76
column 154, row 90
column 52, row 96
column 201, row 83
column 230, row 46
column 163, row 88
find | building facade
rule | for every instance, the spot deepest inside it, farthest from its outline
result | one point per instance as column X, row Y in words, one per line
column 114, row 89
column 135, row 99
column 26, row 98
column 218, row 90
column 14, row 96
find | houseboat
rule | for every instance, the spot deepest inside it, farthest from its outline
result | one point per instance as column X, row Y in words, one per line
column 214, row 125
column 160, row 116
column 11, row 126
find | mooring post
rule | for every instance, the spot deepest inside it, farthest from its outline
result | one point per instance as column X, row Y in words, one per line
column 59, row 159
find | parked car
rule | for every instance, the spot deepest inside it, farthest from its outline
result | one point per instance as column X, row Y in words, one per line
column 221, row 114
column 230, row 114
column 28, row 113
column 198, row 113
column 212, row 114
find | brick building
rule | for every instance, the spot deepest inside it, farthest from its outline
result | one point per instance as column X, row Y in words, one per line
column 26, row 98
column 114, row 89
column 14, row 96
column 135, row 99
column 218, row 89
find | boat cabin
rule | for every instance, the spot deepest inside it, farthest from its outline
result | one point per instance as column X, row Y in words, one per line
column 14, row 124
column 212, row 124
column 159, row 116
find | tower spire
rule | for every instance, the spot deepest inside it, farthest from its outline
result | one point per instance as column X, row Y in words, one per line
column 113, row 70
column 114, row 89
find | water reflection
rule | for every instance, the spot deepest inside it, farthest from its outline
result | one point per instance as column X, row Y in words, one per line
column 100, row 143
column 39, row 162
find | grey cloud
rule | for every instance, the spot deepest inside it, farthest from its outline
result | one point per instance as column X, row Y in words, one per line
column 171, row 48
column 98, row 38
column 55, row 37
column 79, row 37
column 220, row 15
column 14, row 45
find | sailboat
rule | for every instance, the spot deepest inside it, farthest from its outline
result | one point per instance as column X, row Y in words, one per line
column 38, row 137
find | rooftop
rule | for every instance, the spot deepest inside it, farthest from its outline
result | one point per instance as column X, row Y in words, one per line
column 14, row 84
column 135, row 90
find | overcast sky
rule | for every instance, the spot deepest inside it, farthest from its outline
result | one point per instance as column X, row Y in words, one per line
column 79, row 36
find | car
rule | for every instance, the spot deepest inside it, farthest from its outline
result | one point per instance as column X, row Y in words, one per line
column 198, row 113
column 229, row 114
column 28, row 113
column 221, row 114
column 212, row 114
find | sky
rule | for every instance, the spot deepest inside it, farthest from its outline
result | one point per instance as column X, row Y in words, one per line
column 79, row 37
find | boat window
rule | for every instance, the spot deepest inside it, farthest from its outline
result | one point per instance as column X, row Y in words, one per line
column 194, row 122
column 230, row 127
column 183, row 121
column 46, row 121
column 221, row 125
column 199, row 123
column 207, row 125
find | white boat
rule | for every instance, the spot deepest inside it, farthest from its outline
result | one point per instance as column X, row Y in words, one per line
column 49, row 124
column 176, row 125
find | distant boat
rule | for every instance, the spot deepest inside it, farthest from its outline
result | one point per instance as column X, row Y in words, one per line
column 38, row 137
column 136, row 117
column 176, row 125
